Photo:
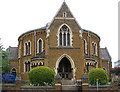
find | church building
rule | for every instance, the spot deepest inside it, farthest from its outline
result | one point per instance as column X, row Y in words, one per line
column 61, row 45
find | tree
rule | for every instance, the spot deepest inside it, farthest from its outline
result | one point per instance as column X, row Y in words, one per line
column 116, row 70
column 4, row 62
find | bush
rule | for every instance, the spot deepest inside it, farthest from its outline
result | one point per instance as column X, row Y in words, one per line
column 41, row 75
column 97, row 73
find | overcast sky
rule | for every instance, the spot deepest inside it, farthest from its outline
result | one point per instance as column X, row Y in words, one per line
column 99, row 16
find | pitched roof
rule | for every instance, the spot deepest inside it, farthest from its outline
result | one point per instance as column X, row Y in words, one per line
column 13, row 53
column 105, row 54
column 42, row 28
column 64, row 8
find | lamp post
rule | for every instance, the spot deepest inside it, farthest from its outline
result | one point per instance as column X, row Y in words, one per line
column 97, row 84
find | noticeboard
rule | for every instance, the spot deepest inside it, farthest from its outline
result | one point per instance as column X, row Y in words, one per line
column 8, row 77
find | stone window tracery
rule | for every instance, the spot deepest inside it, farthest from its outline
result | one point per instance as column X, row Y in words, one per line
column 27, row 48
column 64, row 36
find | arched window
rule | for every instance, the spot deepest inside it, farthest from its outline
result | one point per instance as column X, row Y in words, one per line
column 68, row 39
column 64, row 14
column 25, row 48
column 29, row 47
column 60, row 39
column 64, row 36
column 27, row 66
column 94, row 48
column 85, row 46
column 64, row 39
column 39, row 45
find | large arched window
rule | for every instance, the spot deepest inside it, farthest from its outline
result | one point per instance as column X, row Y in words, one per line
column 39, row 45
column 85, row 46
column 64, row 36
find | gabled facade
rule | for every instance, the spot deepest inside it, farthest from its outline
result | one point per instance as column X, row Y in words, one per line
column 61, row 45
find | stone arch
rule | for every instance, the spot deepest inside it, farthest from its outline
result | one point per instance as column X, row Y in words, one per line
column 13, row 70
column 38, row 45
column 71, row 62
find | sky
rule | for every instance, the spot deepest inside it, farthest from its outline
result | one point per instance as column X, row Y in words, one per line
column 99, row 16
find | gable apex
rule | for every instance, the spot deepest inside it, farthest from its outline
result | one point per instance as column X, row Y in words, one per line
column 60, row 15
column 64, row 9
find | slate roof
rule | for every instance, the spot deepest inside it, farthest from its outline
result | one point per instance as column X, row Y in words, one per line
column 42, row 28
column 105, row 54
column 13, row 53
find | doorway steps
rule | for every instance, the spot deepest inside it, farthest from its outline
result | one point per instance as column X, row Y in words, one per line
column 70, row 86
column 68, row 82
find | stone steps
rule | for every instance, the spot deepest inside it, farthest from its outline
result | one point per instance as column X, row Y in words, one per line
column 69, row 87
column 67, row 82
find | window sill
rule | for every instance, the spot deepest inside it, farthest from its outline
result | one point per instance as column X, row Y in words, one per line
column 61, row 47
column 27, row 55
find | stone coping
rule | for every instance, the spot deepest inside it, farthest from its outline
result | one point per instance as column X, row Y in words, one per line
column 37, row 87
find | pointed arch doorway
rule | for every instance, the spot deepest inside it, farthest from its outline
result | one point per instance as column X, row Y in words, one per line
column 64, row 69
column 65, row 58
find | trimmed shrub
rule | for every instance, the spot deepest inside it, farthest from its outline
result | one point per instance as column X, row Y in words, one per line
column 97, row 73
column 41, row 75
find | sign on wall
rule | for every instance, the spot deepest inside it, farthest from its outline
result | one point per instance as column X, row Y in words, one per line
column 8, row 77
